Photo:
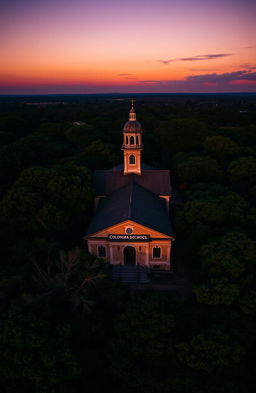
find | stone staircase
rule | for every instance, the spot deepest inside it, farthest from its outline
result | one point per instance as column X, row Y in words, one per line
column 130, row 274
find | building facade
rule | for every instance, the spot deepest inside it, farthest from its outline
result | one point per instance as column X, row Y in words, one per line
column 131, row 223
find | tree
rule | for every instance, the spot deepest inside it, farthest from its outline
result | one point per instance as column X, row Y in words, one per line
column 228, row 272
column 205, row 191
column 242, row 173
column 210, row 350
column 220, row 146
column 51, row 203
column 213, row 207
column 143, row 344
column 217, row 291
column 100, row 155
column 35, row 356
column 48, row 198
column 81, row 136
column 70, row 276
column 203, row 212
column 182, row 134
column 198, row 169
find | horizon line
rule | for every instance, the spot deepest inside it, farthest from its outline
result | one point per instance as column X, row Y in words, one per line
column 119, row 93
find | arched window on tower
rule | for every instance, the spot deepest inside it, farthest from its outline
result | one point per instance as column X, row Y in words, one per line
column 137, row 140
column 126, row 138
column 132, row 159
column 132, row 140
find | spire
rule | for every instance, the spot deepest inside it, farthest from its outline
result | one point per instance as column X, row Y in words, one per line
column 132, row 113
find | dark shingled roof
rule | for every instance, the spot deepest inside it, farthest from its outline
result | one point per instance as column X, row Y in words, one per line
column 154, row 180
column 132, row 202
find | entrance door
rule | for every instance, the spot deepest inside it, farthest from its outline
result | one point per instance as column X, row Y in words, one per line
column 129, row 255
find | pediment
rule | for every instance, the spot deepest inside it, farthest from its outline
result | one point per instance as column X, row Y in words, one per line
column 137, row 229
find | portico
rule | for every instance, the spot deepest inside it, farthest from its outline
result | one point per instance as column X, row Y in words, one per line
column 151, row 250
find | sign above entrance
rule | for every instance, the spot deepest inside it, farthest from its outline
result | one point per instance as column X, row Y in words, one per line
column 131, row 238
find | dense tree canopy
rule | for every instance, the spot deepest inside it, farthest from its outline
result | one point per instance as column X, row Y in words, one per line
column 48, row 199
column 35, row 355
column 197, row 169
column 220, row 146
column 65, row 325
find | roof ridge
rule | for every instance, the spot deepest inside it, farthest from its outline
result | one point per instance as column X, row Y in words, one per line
column 130, row 199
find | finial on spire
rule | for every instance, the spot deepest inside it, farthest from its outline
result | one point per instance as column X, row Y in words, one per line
column 132, row 114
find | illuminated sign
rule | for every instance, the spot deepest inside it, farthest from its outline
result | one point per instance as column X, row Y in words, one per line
column 133, row 238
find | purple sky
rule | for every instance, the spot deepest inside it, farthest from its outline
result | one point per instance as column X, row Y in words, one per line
column 94, row 46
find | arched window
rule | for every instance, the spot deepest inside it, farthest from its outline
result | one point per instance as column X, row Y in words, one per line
column 126, row 138
column 132, row 140
column 101, row 251
column 137, row 140
column 156, row 252
column 132, row 159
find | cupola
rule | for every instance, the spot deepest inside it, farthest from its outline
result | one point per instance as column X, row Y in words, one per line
column 132, row 144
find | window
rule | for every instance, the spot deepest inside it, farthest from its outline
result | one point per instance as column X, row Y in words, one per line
column 101, row 251
column 137, row 140
column 132, row 159
column 126, row 140
column 132, row 140
column 156, row 252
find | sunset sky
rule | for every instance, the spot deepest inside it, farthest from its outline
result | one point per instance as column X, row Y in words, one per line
column 105, row 46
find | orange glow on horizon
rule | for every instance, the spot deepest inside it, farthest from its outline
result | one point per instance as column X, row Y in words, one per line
column 135, row 43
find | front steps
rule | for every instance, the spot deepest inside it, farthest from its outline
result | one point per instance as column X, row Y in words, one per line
column 130, row 274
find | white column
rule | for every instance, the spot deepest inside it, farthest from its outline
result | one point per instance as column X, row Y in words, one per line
column 111, row 254
column 147, row 255
column 89, row 248
column 169, row 256
column 168, row 253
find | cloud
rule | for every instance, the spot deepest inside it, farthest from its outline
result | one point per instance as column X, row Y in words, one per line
column 203, row 69
column 245, row 66
column 242, row 80
column 151, row 82
column 240, row 77
column 226, row 77
column 125, row 74
column 165, row 62
column 210, row 56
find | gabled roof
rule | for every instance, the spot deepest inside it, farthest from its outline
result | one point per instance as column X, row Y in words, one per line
column 132, row 202
column 154, row 180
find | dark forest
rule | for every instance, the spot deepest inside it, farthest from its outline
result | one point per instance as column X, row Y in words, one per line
column 66, row 326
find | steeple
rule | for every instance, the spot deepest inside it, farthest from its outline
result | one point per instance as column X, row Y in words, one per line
column 132, row 113
column 132, row 145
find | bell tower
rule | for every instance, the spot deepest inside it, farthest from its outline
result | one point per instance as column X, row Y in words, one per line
column 132, row 144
